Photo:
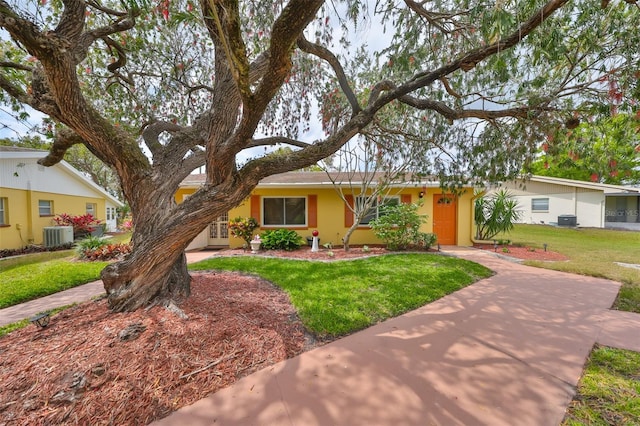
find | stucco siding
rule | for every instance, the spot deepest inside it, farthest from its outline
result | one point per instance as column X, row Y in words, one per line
column 26, row 225
column 24, row 183
column 330, row 214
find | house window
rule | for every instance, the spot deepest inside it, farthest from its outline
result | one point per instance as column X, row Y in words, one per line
column 45, row 207
column 284, row 211
column 91, row 209
column 376, row 209
column 3, row 211
column 539, row 204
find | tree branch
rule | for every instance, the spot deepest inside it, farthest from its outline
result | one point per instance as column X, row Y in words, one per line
column 64, row 139
column 72, row 21
column 5, row 64
column 271, row 141
column 468, row 61
column 435, row 18
column 325, row 54
column 151, row 134
column 223, row 21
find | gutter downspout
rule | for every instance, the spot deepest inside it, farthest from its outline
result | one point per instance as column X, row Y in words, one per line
column 473, row 217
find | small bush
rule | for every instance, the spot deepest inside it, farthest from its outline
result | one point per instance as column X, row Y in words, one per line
column 107, row 252
column 82, row 224
column 243, row 228
column 281, row 239
column 398, row 226
column 99, row 249
column 425, row 240
column 90, row 243
column 495, row 214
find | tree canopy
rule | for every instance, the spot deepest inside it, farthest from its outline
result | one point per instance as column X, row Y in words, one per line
column 606, row 150
column 156, row 89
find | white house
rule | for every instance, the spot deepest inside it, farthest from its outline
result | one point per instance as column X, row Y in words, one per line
column 569, row 202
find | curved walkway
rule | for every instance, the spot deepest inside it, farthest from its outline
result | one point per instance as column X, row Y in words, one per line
column 508, row 350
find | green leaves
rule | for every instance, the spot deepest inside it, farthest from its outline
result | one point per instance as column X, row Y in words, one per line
column 495, row 213
column 399, row 226
column 603, row 150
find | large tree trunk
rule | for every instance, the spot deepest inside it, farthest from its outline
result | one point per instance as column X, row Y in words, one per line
column 142, row 280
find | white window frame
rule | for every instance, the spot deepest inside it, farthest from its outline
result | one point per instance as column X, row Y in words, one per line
column 285, row 224
column 539, row 209
column 368, row 217
column 48, row 206
column 4, row 220
column 91, row 210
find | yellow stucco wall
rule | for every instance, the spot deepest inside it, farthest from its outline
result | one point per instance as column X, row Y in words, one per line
column 331, row 214
column 25, row 225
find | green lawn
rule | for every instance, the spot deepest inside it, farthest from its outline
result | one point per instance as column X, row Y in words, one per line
column 30, row 280
column 591, row 252
column 24, row 278
column 609, row 390
column 338, row 298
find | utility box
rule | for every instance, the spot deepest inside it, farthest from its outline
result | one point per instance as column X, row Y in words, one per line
column 55, row 236
column 567, row 220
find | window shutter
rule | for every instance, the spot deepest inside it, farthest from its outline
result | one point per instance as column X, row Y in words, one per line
column 348, row 213
column 255, row 208
column 312, row 210
column 406, row 198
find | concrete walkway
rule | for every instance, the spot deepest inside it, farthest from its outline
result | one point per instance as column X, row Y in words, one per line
column 508, row 350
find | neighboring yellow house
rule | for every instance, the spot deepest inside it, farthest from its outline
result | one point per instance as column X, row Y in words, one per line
column 32, row 195
column 307, row 201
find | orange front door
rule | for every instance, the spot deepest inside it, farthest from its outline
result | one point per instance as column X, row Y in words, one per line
column 444, row 218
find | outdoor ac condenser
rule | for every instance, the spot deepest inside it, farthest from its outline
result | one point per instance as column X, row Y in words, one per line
column 57, row 235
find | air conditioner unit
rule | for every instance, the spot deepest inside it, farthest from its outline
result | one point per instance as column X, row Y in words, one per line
column 57, row 235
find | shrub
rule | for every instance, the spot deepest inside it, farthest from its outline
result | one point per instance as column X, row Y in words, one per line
column 398, row 226
column 90, row 243
column 243, row 228
column 107, row 252
column 126, row 225
column 82, row 224
column 281, row 239
column 99, row 249
column 33, row 249
column 425, row 240
column 495, row 214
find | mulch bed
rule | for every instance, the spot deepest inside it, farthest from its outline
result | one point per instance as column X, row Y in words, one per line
column 524, row 253
column 90, row 366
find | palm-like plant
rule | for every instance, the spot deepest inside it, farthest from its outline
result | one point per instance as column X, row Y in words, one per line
column 495, row 213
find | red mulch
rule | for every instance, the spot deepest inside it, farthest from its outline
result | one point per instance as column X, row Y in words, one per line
column 525, row 253
column 79, row 370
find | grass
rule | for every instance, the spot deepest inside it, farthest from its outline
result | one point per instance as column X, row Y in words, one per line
column 338, row 298
column 28, row 281
column 24, row 278
column 591, row 252
column 28, row 259
column 609, row 390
